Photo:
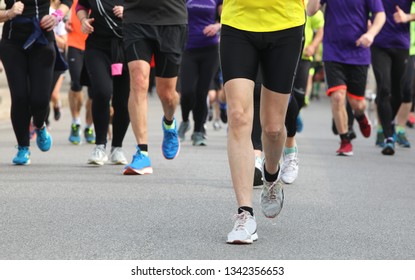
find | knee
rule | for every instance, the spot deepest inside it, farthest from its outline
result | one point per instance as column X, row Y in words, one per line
column 274, row 132
column 338, row 98
column 238, row 118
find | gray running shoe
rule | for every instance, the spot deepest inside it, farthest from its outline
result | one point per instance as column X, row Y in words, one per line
column 183, row 128
column 272, row 197
column 198, row 139
column 244, row 230
column 98, row 156
column 117, row 156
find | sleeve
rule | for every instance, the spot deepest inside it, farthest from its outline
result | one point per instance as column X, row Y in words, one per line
column 317, row 20
column 68, row 3
column 83, row 5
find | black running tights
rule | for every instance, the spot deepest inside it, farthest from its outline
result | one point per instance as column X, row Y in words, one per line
column 29, row 75
column 103, row 87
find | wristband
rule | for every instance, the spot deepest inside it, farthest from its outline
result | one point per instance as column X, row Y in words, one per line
column 58, row 14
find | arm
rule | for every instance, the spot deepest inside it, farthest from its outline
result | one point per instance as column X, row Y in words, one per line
column 401, row 17
column 366, row 39
column 313, row 6
column 213, row 29
column 86, row 22
column 310, row 50
column 15, row 10
column 48, row 22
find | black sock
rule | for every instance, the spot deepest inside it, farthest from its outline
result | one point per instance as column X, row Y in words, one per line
column 359, row 117
column 246, row 208
column 271, row 177
column 143, row 147
column 344, row 136
column 167, row 121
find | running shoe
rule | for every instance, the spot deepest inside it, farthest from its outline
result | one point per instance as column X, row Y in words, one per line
column 117, row 156
column 380, row 139
column 346, row 148
column 43, row 139
column 258, row 172
column 89, row 135
column 98, row 155
column 171, row 143
column 198, row 139
column 244, row 231
column 289, row 168
column 272, row 196
column 140, row 165
column 223, row 112
column 216, row 125
column 365, row 126
column 299, row 123
column 75, row 136
column 22, row 157
column 57, row 113
column 389, row 147
column 402, row 140
column 32, row 133
column 183, row 128
column 411, row 120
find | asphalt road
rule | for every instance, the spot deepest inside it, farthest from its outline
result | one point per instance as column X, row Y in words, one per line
column 359, row 207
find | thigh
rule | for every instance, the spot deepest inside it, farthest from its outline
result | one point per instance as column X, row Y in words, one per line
column 98, row 65
column 335, row 76
column 280, row 57
column 238, row 55
column 75, row 63
column 171, row 40
column 356, row 81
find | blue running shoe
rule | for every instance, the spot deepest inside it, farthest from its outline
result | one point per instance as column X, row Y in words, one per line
column 43, row 139
column 89, row 135
column 23, row 156
column 299, row 123
column 380, row 139
column 75, row 136
column 389, row 147
column 140, row 165
column 402, row 140
column 171, row 143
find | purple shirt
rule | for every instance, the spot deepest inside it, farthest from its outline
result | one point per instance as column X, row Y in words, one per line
column 394, row 35
column 345, row 22
column 201, row 13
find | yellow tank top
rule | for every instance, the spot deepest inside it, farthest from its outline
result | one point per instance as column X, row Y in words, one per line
column 263, row 15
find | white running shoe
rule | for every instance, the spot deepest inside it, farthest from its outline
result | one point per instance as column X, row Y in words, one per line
column 117, row 156
column 258, row 172
column 272, row 196
column 98, row 156
column 289, row 168
column 244, row 230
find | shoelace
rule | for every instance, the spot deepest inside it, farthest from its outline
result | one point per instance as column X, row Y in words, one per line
column 272, row 191
column 98, row 151
column 241, row 220
column 292, row 163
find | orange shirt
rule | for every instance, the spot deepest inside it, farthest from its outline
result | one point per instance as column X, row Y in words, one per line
column 76, row 38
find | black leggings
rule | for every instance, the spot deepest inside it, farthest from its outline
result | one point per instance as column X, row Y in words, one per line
column 389, row 67
column 196, row 73
column 29, row 75
column 290, row 118
column 103, row 87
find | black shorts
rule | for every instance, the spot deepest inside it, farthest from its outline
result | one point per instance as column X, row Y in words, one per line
column 75, row 58
column 352, row 78
column 166, row 42
column 277, row 53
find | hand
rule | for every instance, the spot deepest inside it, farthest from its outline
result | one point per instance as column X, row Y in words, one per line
column 211, row 29
column 48, row 22
column 309, row 51
column 365, row 40
column 16, row 9
column 400, row 16
column 68, row 26
column 118, row 11
column 87, row 25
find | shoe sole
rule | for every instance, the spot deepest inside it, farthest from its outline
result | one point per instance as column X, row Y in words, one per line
column 345, row 154
column 388, row 151
column 94, row 162
column 132, row 171
column 22, row 164
column 254, row 237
